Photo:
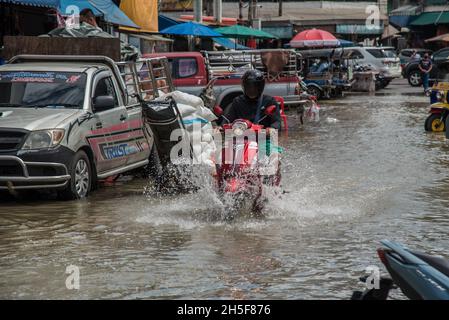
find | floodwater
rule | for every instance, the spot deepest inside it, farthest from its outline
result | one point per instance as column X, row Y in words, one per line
column 366, row 172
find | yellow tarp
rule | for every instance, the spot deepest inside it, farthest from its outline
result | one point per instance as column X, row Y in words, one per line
column 143, row 13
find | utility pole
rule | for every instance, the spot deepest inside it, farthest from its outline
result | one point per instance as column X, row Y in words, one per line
column 198, row 10
column 280, row 8
column 218, row 11
column 240, row 10
column 252, row 11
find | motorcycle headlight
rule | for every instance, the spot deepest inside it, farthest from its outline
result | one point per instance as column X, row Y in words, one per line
column 43, row 139
column 239, row 128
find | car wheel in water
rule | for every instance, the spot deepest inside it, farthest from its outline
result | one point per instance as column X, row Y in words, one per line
column 314, row 91
column 414, row 79
column 80, row 183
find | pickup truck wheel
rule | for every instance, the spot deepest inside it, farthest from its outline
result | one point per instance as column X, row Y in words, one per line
column 80, row 182
column 414, row 78
column 314, row 91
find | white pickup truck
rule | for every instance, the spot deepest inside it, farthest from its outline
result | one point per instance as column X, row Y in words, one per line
column 67, row 121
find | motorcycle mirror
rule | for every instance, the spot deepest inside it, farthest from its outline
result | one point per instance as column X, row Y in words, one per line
column 218, row 111
column 270, row 110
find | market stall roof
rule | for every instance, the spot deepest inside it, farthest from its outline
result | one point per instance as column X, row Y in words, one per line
column 400, row 21
column 34, row 3
column 389, row 32
column 442, row 37
column 165, row 22
column 239, row 31
column 345, row 43
column 407, row 10
column 113, row 14
column 359, row 29
column 191, row 29
column 428, row 18
column 151, row 37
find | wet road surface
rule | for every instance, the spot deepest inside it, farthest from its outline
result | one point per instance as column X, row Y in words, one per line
column 366, row 172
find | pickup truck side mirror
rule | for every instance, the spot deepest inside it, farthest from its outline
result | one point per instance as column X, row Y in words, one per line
column 102, row 103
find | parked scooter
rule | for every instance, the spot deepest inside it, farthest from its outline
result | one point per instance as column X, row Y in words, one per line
column 437, row 121
column 420, row 276
column 239, row 177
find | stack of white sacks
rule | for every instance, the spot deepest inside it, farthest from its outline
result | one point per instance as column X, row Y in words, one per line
column 197, row 120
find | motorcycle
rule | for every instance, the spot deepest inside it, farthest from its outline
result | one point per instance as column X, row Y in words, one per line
column 239, row 176
column 437, row 121
column 420, row 276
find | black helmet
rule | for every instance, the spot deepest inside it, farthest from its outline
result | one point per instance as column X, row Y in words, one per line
column 253, row 83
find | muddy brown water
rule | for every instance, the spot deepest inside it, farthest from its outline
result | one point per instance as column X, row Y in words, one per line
column 366, row 172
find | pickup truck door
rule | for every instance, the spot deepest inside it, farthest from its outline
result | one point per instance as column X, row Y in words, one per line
column 111, row 134
column 139, row 141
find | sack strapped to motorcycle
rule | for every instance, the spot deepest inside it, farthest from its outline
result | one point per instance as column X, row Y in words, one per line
column 163, row 117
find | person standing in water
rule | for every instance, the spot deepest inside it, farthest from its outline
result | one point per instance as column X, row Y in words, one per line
column 425, row 66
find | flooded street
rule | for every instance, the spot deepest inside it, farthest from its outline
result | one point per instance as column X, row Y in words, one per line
column 367, row 171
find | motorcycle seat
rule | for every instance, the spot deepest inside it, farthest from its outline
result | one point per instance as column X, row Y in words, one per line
column 439, row 263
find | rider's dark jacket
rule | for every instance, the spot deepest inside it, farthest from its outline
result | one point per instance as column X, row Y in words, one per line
column 245, row 108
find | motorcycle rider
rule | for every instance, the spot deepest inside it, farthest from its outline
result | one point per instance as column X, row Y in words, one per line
column 252, row 103
column 251, row 106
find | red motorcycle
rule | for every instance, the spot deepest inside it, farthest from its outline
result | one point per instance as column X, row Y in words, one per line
column 241, row 172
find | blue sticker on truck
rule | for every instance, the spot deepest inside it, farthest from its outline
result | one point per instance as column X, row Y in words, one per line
column 41, row 77
column 118, row 150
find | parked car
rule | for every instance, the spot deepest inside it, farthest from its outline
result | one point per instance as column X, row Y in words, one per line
column 66, row 121
column 406, row 54
column 383, row 59
column 192, row 71
column 439, row 60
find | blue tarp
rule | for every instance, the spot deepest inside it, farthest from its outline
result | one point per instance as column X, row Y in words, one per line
column 113, row 14
column 191, row 29
column 400, row 21
column 81, row 4
column 166, row 22
column 107, row 8
column 35, row 3
column 345, row 43
column 227, row 43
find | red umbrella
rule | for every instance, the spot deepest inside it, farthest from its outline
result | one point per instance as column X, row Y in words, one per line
column 314, row 38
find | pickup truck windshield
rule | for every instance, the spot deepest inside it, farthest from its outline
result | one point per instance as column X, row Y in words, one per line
column 37, row 89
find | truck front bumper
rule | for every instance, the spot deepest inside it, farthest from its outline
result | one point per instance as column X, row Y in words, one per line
column 17, row 174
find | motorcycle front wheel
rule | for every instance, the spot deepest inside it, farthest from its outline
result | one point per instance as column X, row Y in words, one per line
column 434, row 123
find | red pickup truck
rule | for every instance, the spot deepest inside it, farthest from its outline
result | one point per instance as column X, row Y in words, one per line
column 191, row 72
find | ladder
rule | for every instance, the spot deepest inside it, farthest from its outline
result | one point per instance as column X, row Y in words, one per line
column 146, row 78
